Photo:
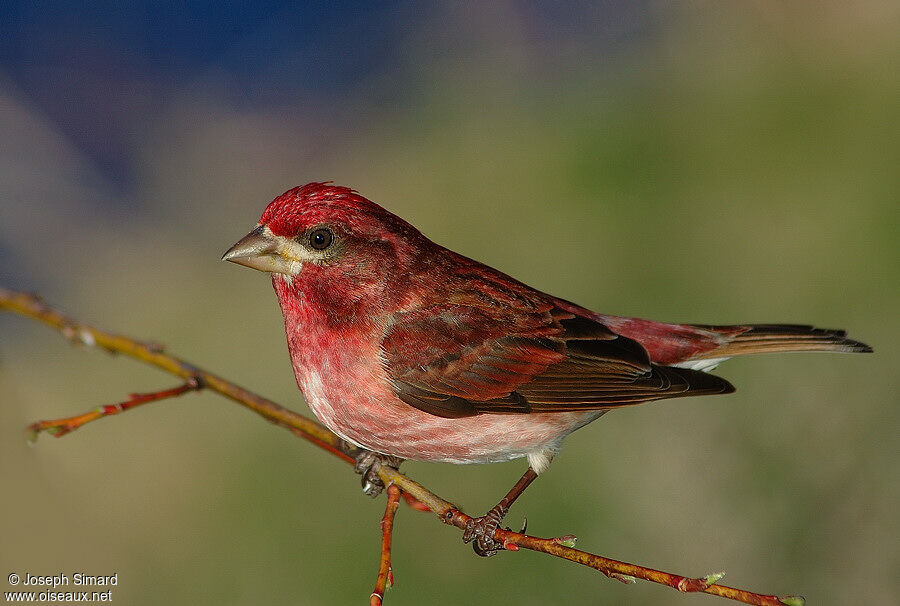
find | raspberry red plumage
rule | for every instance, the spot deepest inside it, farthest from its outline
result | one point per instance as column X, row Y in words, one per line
column 409, row 349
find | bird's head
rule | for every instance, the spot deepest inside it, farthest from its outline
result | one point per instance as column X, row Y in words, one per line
column 329, row 239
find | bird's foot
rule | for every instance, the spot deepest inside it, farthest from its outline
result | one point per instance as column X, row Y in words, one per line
column 480, row 532
column 367, row 465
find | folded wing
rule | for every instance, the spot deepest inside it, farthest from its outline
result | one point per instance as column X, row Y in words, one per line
column 459, row 360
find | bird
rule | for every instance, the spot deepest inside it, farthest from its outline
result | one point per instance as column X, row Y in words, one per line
column 408, row 350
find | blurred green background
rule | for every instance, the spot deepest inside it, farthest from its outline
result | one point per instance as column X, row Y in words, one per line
column 705, row 162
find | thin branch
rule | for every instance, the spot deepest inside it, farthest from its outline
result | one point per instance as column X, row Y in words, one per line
column 414, row 503
column 32, row 306
column 385, row 577
column 561, row 547
column 60, row 427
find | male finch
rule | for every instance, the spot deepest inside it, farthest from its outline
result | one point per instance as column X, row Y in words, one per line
column 412, row 351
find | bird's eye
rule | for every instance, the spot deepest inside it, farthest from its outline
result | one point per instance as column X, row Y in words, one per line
column 321, row 238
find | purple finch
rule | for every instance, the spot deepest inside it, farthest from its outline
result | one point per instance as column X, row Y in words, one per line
column 410, row 350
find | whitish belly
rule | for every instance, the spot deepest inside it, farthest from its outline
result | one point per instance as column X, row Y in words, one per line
column 376, row 420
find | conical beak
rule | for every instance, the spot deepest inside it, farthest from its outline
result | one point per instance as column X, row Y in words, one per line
column 259, row 250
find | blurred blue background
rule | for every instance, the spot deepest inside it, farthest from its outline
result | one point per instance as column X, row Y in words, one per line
column 706, row 162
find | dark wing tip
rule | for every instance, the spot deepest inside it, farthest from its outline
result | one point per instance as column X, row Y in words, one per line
column 857, row 346
column 699, row 382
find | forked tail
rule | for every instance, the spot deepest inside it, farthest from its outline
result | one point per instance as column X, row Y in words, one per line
column 701, row 347
column 772, row 338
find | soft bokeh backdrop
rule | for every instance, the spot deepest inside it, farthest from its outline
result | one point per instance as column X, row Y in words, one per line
column 708, row 162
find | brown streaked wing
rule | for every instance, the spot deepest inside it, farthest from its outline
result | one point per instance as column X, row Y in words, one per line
column 457, row 361
column 443, row 358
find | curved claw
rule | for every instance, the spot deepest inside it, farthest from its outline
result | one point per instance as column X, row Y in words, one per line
column 367, row 464
column 480, row 532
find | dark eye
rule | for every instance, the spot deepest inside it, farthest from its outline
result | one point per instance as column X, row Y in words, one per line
column 321, row 238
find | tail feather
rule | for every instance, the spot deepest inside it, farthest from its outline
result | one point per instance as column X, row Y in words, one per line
column 771, row 338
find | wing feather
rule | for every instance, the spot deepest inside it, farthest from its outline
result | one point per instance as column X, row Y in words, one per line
column 457, row 360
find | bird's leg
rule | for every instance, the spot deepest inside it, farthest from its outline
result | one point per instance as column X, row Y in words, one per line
column 481, row 530
column 367, row 464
